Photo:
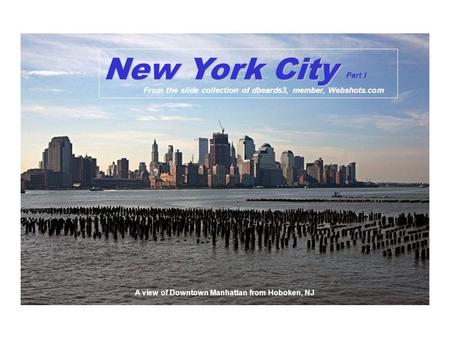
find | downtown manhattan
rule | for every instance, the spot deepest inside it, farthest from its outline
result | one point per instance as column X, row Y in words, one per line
column 221, row 164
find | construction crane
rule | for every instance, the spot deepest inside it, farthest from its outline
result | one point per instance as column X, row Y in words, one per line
column 221, row 127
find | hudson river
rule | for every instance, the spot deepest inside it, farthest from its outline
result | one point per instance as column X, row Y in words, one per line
column 68, row 270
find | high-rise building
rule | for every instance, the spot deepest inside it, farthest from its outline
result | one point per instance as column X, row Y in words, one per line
column 245, row 148
column 169, row 155
column 88, row 170
column 195, row 176
column 330, row 174
column 44, row 159
column 219, row 151
column 351, row 173
column 267, row 172
column 178, row 158
column 313, row 171
column 142, row 167
column 177, row 169
column 342, row 175
column 265, row 157
column 202, row 149
column 287, row 166
column 245, row 166
column 155, row 154
column 112, row 170
column 217, row 178
column 319, row 164
column 299, row 163
column 122, row 168
column 60, row 158
column 299, row 167
column 76, row 169
column 233, row 155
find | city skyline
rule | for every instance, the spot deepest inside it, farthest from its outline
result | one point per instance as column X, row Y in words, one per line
column 222, row 167
column 387, row 138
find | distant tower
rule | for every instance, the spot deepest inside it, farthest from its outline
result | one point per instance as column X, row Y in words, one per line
column 319, row 165
column 155, row 154
column 122, row 168
column 246, row 148
column 59, row 158
column 178, row 158
column 287, row 166
column 202, row 149
column 142, row 167
column 169, row 155
column 45, row 159
column 233, row 154
column 299, row 163
column 219, row 150
column 351, row 173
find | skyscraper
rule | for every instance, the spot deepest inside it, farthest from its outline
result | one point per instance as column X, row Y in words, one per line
column 315, row 170
column 351, row 173
column 45, row 159
column 60, row 158
column 112, row 170
column 299, row 163
column 265, row 157
column 233, row 155
column 142, row 167
column 155, row 154
column 299, row 167
column 342, row 175
column 122, row 168
column 330, row 174
column 319, row 164
column 202, row 149
column 88, row 170
column 169, row 155
column 245, row 148
column 219, row 151
column 177, row 169
column 178, row 158
column 76, row 169
column 287, row 166
column 267, row 172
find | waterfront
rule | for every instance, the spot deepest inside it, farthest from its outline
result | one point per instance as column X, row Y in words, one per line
column 229, row 198
column 64, row 270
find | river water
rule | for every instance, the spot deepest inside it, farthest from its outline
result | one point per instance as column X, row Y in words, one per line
column 65, row 270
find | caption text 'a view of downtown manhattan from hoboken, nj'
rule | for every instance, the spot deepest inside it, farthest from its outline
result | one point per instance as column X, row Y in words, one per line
column 220, row 165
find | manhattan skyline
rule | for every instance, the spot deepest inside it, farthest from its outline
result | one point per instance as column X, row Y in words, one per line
column 388, row 138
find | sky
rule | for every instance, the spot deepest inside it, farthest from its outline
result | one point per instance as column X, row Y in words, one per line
column 387, row 138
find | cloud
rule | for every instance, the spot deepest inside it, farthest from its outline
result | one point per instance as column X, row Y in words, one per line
column 170, row 106
column 394, row 124
column 386, row 123
column 47, row 73
column 83, row 112
column 48, row 90
column 404, row 96
column 177, row 118
column 419, row 41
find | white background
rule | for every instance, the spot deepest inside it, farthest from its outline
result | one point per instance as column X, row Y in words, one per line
column 230, row 16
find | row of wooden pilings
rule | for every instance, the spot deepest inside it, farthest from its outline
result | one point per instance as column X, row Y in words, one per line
column 328, row 230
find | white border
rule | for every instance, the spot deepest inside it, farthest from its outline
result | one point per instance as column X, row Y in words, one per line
column 100, row 97
column 346, row 16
